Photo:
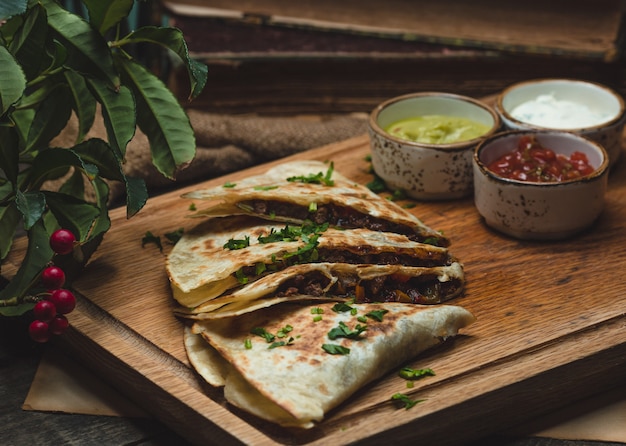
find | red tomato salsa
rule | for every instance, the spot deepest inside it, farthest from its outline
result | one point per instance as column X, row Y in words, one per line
column 530, row 161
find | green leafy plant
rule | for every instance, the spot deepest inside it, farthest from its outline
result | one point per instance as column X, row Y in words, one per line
column 55, row 64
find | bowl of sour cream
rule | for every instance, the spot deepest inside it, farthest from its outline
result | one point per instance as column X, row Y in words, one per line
column 586, row 108
column 422, row 143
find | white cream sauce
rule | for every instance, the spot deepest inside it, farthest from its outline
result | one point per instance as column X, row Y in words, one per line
column 547, row 111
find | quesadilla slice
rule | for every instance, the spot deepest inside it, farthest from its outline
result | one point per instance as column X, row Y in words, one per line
column 291, row 364
column 223, row 254
column 339, row 282
column 299, row 191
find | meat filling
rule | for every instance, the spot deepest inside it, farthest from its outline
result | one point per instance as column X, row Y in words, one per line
column 425, row 289
column 339, row 216
column 337, row 256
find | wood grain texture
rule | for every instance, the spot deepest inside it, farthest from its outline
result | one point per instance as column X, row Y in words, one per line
column 550, row 327
column 557, row 27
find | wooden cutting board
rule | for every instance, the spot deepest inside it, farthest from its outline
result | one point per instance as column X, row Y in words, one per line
column 551, row 327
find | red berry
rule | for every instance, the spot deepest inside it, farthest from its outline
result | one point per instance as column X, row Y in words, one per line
column 59, row 324
column 62, row 241
column 63, row 299
column 39, row 331
column 44, row 310
column 53, row 277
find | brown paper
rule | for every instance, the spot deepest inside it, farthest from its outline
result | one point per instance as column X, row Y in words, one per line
column 599, row 418
column 62, row 385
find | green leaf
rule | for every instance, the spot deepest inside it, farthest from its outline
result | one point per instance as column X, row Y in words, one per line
column 162, row 119
column 32, row 206
column 118, row 112
column 53, row 163
column 22, row 119
column 38, row 254
column 13, row 80
column 72, row 213
column 88, row 51
column 84, row 104
column 9, row 218
column 29, row 42
column 9, row 153
column 97, row 152
column 50, row 118
column 10, row 8
column 103, row 222
column 74, row 185
column 173, row 39
column 136, row 195
column 104, row 14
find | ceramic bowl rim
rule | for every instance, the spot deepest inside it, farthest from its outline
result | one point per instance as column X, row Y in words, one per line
column 457, row 146
column 601, row 170
column 505, row 113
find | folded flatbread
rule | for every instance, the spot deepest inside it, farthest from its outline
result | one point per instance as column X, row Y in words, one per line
column 207, row 261
column 299, row 191
column 339, row 282
column 291, row 364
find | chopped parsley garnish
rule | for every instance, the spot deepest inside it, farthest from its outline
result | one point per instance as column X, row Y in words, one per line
column 247, row 344
column 283, row 331
column 335, row 349
column 342, row 307
column 308, row 252
column 404, row 399
column 149, row 237
column 271, row 338
column 377, row 185
column 237, row 243
column 174, row 236
column 343, row 331
column 241, row 277
column 265, row 187
column 281, row 343
column 377, row 315
column 398, row 194
column 229, row 184
column 260, row 331
column 317, row 318
column 318, row 178
column 292, row 233
column 317, row 310
column 414, row 374
column 192, row 207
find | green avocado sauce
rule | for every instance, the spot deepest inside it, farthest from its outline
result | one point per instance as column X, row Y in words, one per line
column 437, row 129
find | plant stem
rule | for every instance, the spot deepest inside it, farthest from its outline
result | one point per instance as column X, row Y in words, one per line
column 18, row 300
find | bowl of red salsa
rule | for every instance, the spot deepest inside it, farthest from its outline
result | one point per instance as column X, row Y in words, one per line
column 543, row 185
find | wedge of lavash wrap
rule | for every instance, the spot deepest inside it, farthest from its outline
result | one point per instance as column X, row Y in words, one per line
column 340, row 282
column 293, row 363
column 222, row 254
column 311, row 190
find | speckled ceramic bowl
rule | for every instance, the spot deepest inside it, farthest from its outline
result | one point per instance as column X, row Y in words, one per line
column 585, row 108
column 539, row 210
column 427, row 171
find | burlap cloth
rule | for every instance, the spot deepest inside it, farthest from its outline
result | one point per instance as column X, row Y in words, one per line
column 227, row 143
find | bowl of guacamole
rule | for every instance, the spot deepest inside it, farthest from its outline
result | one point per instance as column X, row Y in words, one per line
column 422, row 143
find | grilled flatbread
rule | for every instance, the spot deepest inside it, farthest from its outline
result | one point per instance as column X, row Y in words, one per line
column 298, row 191
column 339, row 282
column 208, row 262
column 313, row 363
